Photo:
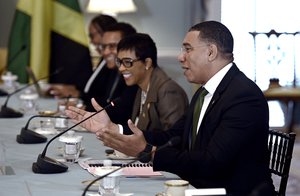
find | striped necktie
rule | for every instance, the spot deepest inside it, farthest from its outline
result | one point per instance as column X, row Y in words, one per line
column 197, row 111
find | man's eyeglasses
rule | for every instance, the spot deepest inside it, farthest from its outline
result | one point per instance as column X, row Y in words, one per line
column 110, row 46
column 127, row 62
column 189, row 48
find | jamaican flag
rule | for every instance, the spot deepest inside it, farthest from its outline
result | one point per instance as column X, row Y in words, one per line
column 47, row 35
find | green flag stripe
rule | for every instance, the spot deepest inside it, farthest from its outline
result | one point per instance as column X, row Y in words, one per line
column 19, row 46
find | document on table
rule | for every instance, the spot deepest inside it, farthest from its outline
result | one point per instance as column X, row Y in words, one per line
column 137, row 169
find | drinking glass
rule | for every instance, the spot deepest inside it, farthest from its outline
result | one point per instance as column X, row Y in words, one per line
column 71, row 146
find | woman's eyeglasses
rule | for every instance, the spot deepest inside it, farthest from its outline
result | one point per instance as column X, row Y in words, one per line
column 127, row 62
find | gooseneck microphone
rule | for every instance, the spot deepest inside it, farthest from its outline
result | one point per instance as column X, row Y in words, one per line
column 7, row 112
column 172, row 142
column 28, row 136
column 46, row 165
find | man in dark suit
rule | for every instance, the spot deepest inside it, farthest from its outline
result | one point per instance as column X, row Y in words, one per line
column 96, row 29
column 109, row 83
column 229, row 146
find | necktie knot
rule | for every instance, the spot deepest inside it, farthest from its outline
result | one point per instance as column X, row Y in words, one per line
column 203, row 93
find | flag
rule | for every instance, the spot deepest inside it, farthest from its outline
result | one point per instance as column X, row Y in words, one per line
column 47, row 35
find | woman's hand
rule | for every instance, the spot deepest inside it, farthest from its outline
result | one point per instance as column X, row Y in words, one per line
column 93, row 124
column 130, row 145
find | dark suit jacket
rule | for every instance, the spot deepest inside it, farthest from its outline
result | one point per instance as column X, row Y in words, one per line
column 103, row 90
column 231, row 146
column 74, row 58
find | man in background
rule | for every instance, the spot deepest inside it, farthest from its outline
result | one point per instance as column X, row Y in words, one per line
column 109, row 83
column 97, row 27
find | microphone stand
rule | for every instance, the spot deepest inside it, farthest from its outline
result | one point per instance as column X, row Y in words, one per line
column 7, row 112
column 46, row 165
column 172, row 142
column 28, row 136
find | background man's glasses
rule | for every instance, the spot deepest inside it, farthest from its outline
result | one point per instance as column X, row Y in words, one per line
column 127, row 62
column 110, row 46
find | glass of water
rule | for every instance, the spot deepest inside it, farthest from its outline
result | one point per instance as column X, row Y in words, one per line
column 109, row 185
column 71, row 146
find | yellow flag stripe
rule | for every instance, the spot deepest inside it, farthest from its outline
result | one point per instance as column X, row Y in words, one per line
column 25, row 6
column 40, row 13
column 69, row 23
column 40, row 37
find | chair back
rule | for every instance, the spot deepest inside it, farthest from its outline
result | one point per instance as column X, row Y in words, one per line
column 281, row 147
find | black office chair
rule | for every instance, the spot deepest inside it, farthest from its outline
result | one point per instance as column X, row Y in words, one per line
column 281, row 147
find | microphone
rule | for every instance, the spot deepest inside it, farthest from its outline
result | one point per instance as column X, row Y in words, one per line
column 172, row 142
column 7, row 112
column 28, row 136
column 46, row 165
column 3, row 93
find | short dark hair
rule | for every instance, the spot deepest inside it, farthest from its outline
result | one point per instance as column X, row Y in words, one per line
column 217, row 33
column 102, row 21
column 142, row 44
column 125, row 28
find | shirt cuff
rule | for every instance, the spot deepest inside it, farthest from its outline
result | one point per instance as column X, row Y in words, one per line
column 120, row 128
